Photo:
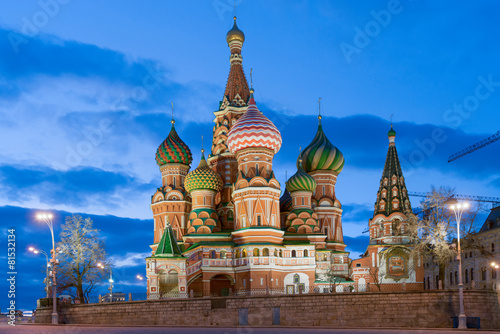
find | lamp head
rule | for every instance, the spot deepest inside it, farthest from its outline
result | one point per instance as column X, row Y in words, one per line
column 36, row 251
column 31, row 249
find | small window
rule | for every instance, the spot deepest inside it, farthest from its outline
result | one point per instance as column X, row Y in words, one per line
column 259, row 222
column 222, row 254
column 294, row 253
column 471, row 274
column 244, row 282
column 306, row 253
column 492, row 247
column 466, row 275
column 358, row 264
column 256, row 252
column 451, row 278
column 256, row 169
column 204, row 200
column 175, row 182
column 281, row 253
column 244, row 253
column 323, row 190
column 261, row 281
column 296, row 278
column 302, row 200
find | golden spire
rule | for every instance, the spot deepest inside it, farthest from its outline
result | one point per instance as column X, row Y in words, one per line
column 251, row 81
column 319, row 109
column 173, row 120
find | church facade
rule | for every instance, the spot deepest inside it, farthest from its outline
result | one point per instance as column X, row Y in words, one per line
column 389, row 259
column 227, row 226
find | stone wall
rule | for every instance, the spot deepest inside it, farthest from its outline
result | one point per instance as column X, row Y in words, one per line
column 430, row 309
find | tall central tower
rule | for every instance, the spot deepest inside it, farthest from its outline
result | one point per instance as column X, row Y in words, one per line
column 233, row 105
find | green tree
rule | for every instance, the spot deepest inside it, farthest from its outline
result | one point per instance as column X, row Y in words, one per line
column 81, row 249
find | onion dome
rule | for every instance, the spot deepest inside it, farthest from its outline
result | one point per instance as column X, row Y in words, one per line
column 203, row 177
column 286, row 202
column 321, row 154
column 392, row 133
column 301, row 181
column 253, row 129
column 235, row 34
column 173, row 150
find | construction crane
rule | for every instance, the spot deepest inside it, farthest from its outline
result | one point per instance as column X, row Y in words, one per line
column 475, row 147
column 495, row 201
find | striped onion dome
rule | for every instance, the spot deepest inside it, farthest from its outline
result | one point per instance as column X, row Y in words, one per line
column 286, row 202
column 321, row 154
column 173, row 150
column 203, row 177
column 301, row 181
column 253, row 129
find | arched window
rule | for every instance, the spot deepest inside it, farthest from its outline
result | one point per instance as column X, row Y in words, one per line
column 294, row 253
column 244, row 253
column 222, row 254
column 306, row 253
column 259, row 222
column 323, row 190
column 256, row 252
column 276, row 252
column 212, row 255
column 451, row 278
column 492, row 247
column 256, row 169
column 325, row 258
column 341, row 260
column 265, row 252
column 302, row 200
column 466, row 275
column 493, row 273
column 175, row 182
column 237, row 254
column 456, row 277
column 471, row 274
column 281, row 253
column 483, row 274
column 204, row 200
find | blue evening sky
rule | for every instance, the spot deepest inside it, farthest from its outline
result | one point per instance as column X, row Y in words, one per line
column 86, row 86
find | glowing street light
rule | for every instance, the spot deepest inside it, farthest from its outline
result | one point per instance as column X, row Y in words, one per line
column 47, row 278
column 139, row 277
column 100, row 265
column 46, row 217
column 458, row 210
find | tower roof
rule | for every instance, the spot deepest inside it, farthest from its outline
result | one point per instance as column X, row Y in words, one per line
column 236, row 93
column 173, row 150
column 168, row 246
column 321, row 154
column 392, row 192
column 301, row 181
column 253, row 129
column 203, row 177
column 285, row 202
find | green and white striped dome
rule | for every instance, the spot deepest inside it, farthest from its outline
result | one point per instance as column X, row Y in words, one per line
column 321, row 154
column 301, row 181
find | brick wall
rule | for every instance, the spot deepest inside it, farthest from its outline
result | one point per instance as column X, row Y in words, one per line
column 431, row 309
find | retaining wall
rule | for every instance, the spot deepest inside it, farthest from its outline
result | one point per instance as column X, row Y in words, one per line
column 423, row 309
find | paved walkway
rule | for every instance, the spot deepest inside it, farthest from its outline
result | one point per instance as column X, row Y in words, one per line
column 74, row 329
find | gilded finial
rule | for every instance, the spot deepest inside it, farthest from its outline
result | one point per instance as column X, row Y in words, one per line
column 202, row 149
column 251, row 81
column 286, row 175
column 319, row 109
column 300, row 155
column 173, row 120
column 391, row 119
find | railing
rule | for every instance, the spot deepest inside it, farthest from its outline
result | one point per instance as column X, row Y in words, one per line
column 295, row 289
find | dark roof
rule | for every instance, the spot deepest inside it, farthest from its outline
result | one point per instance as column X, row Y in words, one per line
column 492, row 221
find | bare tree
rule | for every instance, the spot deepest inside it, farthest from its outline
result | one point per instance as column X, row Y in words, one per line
column 81, row 250
column 374, row 274
column 436, row 232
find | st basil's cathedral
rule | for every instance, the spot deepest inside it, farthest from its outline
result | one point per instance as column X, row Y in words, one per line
column 227, row 227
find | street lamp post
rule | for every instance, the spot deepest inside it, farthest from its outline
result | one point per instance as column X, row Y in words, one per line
column 458, row 209
column 100, row 265
column 47, row 219
column 47, row 278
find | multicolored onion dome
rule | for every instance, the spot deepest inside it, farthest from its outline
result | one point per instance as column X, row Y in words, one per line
column 235, row 34
column 301, row 181
column 173, row 150
column 253, row 129
column 321, row 154
column 392, row 133
column 203, row 177
column 286, row 202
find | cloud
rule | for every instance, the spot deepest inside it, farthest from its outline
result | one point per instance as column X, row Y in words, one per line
column 129, row 259
column 356, row 245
